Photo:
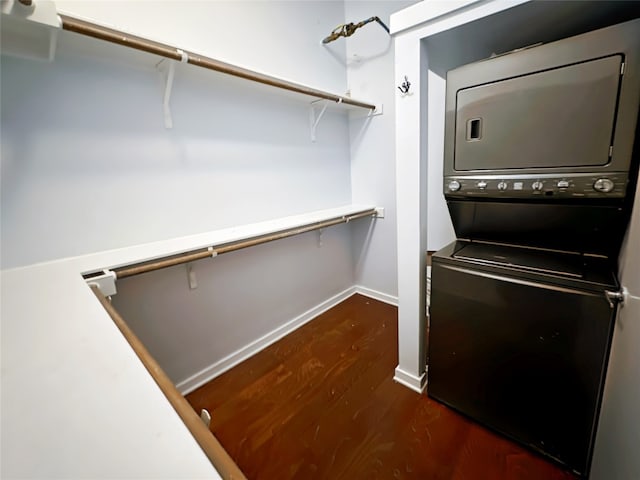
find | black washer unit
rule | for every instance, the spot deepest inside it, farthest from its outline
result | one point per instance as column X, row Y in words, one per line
column 519, row 341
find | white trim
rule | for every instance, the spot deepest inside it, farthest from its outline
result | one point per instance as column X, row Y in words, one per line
column 425, row 12
column 461, row 12
column 417, row 384
column 376, row 295
column 209, row 373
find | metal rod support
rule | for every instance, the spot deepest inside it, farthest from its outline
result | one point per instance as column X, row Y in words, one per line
column 138, row 269
column 139, row 43
column 315, row 120
column 168, row 85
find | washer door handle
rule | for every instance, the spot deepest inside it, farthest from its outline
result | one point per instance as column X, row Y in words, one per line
column 616, row 297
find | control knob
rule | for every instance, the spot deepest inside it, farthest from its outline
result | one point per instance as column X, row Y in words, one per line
column 454, row 185
column 502, row 185
column 537, row 185
column 603, row 185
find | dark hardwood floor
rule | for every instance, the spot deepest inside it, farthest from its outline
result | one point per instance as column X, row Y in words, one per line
column 322, row 403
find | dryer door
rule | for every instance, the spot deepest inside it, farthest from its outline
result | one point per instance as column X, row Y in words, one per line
column 563, row 117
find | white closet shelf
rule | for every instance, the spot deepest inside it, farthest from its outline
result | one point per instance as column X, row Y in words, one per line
column 206, row 245
column 100, row 32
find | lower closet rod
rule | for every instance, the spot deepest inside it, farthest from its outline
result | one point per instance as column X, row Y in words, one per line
column 132, row 270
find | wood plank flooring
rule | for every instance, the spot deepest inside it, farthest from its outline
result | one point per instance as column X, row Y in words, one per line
column 322, row 404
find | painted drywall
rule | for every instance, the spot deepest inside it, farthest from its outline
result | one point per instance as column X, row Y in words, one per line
column 370, row 74
column 87, row 165
column 92, row 167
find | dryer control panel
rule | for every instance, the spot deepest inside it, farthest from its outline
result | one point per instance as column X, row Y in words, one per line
column 585, row 185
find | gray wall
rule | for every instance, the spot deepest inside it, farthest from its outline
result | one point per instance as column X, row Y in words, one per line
column 241, row 297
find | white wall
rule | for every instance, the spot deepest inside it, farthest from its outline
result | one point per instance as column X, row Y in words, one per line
column 87, row 165
column 370, row 74
column 83, row 139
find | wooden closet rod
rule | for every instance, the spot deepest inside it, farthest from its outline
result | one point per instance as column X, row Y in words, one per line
column 139, row 43
column 212, row 448
column 132, row 270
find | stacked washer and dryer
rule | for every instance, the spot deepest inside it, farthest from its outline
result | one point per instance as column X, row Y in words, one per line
column 539, row 171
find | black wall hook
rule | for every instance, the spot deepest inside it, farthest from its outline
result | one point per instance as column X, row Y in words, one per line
column 404, row 88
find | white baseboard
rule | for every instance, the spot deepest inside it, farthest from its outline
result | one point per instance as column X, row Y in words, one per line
column 376, row 295
column 209, row 373
column 417, row 384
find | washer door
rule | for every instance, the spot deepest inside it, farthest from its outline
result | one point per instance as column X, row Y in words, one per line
column 522, row 357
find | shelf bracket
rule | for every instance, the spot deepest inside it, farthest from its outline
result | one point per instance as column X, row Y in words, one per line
column 313, row 119
column 168, row 75
column 106, row 282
